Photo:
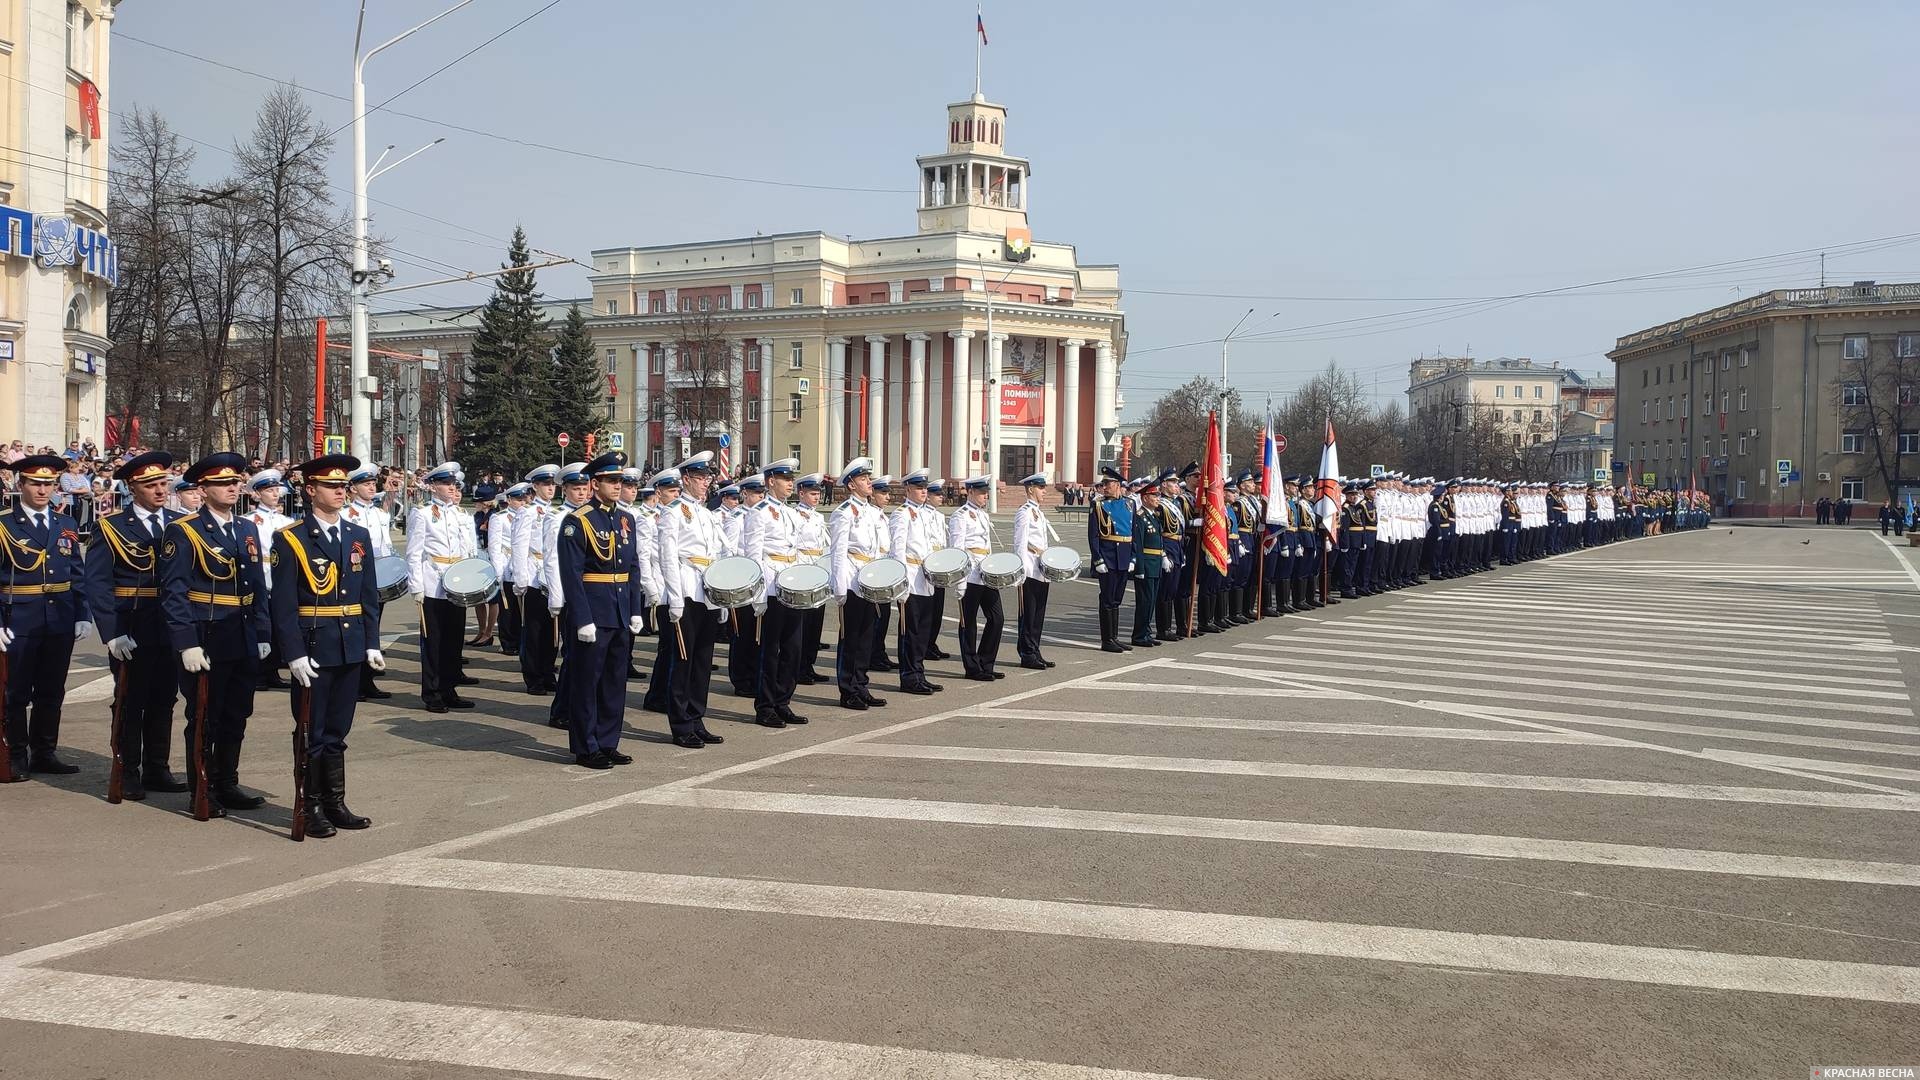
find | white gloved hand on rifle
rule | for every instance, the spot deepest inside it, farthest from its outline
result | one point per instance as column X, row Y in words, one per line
column 633, row 624
column 82, row 630
column 587, row 634
column 195, row 660
column 6, row 638
column 303, row 669
column 376, row 661
column 263, row 649
column 121, row 648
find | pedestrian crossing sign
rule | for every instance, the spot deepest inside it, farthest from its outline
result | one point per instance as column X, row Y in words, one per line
column 616, row 440
column 1599, row 476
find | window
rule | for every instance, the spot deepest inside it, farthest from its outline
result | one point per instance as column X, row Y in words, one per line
column 753, row 457
column 1743, row 399
column 1643, row 412
column 1669, row 372
column 1683, row 404
column 1706, row 404
column 1906, row 346
column 657, row 409
column 659, row 306
column 799, row 297
column 1669, row 406
column 1910, row 442
column 1724, row 400
column 612, row 364
column 1726, row 360
column 656, row 361
column 1539, row 392
column 1536, row 440
column 76, row 167
column 796, row 355
column 706, row 303
column 753, row 410
column 1906, row 395
column 1853, row 395
column 794, row 404
column 1538, row 416
column 725, row 302
column 1853, row 347
column 1500, row 391
column 1853, row 488
column 793, row 451
column 1516, row 439
column 1643, row 377
column 753, row 299
column 1853, row 442
column 79, row 40
column 753, row 357
column 1743, row 445
column 613, row 307
column 77, row 312
column 1516, row 416
column 686, row 303
column 1656, row 376
column 1519, row 391
column 1745, row 358
column 1740, row 488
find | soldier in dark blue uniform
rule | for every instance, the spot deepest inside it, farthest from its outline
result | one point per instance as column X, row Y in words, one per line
column 1149, row 565
column 1440, row 533
column 1556, row 520
column 1110, row 542
column 43, row 611
column 326, row 621
column 1188, row 508
column 1509, row 524
column 1173, row 527
column 213, row 593
column 600, row 578
column 123, row 594
column 1357, row 526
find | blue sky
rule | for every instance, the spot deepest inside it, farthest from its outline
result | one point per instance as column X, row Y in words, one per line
column 1336, row 164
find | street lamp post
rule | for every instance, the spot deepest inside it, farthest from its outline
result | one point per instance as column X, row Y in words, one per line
column 991, row 361
column 360, row 418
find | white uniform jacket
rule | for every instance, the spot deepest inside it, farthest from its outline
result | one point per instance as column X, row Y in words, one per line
column 768, row 538
column 971, row 530
column 912, row 543
column 529, row 543
column 691, row 539
column 859, row 535
column 438, row 536
column 1032, row 535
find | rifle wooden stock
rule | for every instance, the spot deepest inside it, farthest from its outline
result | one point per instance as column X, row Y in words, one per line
column 6, row 750
column 302, row 731
column 116, row 776
column 201, row 811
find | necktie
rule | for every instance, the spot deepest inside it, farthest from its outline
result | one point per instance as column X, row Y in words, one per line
column 333, row 540
column 40, row 520
column 152, row 524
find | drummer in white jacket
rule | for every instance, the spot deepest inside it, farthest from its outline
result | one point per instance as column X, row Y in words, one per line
column 666, row 490
column 971, row 530
column 439, row 534
column 859, row 536
column 770, row 533
column 914, row 540
column 691, row 540
column 363, row 509
column 500, row 530
column 538, row 649
column 1032, row 536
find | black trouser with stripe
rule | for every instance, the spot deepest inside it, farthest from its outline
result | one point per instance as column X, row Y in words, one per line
column 37, row 688
column 692, row 678
column 978, row 652
column 743, row 655
column 780, row 631
column 539, row 652
column 858, row 620
column 1032, row 619
column 443, row 630
column 916, row 630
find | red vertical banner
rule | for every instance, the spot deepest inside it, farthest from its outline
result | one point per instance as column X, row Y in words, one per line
column 1214, row 539
column 90, row 107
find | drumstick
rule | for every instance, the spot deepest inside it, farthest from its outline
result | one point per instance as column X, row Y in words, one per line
column 681, row 638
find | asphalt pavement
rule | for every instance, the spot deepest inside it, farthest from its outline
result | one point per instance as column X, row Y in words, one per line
column 1644, row 810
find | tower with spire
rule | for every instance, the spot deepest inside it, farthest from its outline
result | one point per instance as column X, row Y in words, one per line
column 974, row 187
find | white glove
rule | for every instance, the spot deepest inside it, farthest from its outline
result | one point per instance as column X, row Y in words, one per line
column 553, row 608
column 676, row 610
column 195, row 660
column 375, row 660
column 121, row 648
column 264, row 648
column 588, row 633
column 6, row 638
column 634, row 623
column 82, row 630
column 519, row 590
column 1100, row 566
column 759, row 608
column 303, row 669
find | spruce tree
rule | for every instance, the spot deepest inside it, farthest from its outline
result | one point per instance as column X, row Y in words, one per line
column 578, row 387
column 503, row 413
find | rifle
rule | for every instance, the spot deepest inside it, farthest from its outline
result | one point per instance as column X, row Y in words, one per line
column 302, row 729
column 114, row 781
column 6, row 751
column 201, row 812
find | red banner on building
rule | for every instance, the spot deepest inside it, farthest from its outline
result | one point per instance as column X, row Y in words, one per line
column 1023, row 382
column 90, row 107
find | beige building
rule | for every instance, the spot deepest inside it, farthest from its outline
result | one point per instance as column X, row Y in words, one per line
column 56, row 262
column 1520, row 398
column 1728, row 396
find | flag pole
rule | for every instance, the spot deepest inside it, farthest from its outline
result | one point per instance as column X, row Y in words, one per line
column 979, row 40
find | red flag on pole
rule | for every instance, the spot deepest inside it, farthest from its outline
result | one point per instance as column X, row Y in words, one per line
column 1214, row 540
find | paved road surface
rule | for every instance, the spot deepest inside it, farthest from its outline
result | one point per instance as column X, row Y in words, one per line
column 1643, row 811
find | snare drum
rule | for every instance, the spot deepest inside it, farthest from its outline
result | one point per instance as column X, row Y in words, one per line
column 946, row 568
column 470, row 582
column 1059, row 564
column 734, row 582
column 1002, row 570
column 390, row 577
column 804, row 587
column 882, row 582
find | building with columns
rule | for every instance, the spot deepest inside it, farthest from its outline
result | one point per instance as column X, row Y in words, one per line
column 963, row 346
column 57, row 264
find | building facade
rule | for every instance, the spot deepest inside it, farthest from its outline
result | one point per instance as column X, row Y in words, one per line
column 964, row 346
column 1725, row 397
column 57, row 264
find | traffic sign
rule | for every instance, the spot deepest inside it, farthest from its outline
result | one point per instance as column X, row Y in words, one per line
column 1793, row 477
column 616, row 440
column 336, row 444
column 1377, row 471
column 1648, row 479
column 1783, row 466
column 686, row 447
column 563, row 439
column 1599, row 476
column 1279, row 444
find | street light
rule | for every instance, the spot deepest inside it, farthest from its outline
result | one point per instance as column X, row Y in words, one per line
column 993, row 395
column 360, row 417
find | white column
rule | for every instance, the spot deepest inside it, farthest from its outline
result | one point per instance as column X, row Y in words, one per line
column 936, row 419
column 960, row 442
column 833, row 403
column 1069, row 460
column 766, row 401
column 876, row 402
column 637, row 453
column 737, row 403
column 1050, row 416
column 916, row 427
column 1105, row 388
column 993, row 371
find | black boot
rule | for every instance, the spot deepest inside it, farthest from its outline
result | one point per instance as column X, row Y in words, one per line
column 1163, row 620
column 1310, row 594
column 333, row 798
column 225, row 780
column 1110, row 629
column 318, row 826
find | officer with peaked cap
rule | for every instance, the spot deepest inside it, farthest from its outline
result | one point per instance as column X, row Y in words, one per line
column 43, row 611
column 858, row 532
column 268, row 490
column 187, row 497
column 439, row 534
column 214, row 595
column 123, row 595
column 691, row 540
column 810, row 542
column 1184, row 503
column 576, row 489
column 1033, row 534
column 1110, row 542
column 326, row 618
column 599, row 568
column 1173, row 527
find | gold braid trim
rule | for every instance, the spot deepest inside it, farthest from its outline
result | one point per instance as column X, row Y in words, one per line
column 10, row 542
column 321, row 586
column 202, row 553
column 128, row 551
column 604, row 552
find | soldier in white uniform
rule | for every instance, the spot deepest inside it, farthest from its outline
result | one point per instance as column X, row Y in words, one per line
column 362, row 509
column 1032, row 535
column 912, row 542
column 810, row 541
column 971, row 530
column 500, row 529
column 770, row 533
column 691, row 540
column 538, row 647
column 743, row 624
column 576, row 490
column 268, row 488
column 666, row 489
column 440, row 534
column 937, row 524
column 882, row 499
column 859, row 536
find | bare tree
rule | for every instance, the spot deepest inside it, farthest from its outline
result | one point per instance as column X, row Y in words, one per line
column 303, row 250
column 1176, row 428
column 151, row 174
column 701, row 389
column 1879, row 397
column 1367, row 433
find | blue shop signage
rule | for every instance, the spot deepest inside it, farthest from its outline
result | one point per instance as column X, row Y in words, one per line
column 56, row 242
